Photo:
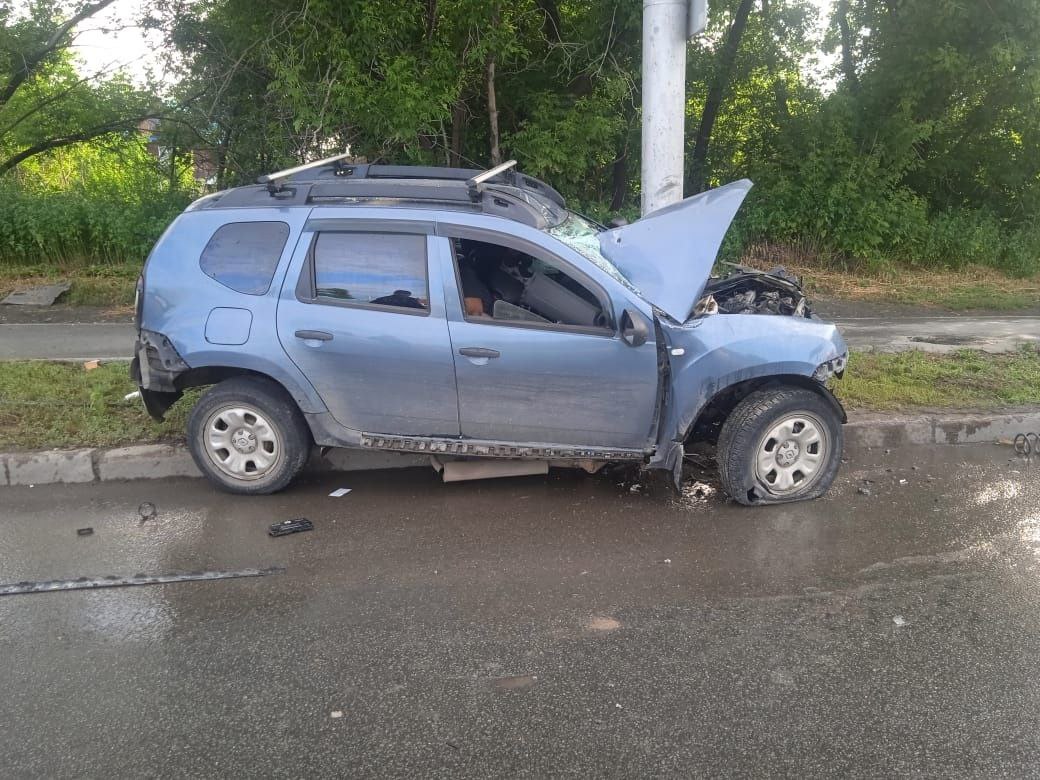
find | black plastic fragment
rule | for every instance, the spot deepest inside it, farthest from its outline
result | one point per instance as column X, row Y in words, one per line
column 84, row 531
column 291, row 527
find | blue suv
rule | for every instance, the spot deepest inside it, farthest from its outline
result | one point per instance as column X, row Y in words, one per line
column 468, row 315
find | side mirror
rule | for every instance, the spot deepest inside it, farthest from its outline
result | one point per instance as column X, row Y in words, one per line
column 634, row 329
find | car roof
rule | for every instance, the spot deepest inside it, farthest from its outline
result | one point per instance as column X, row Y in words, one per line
column 511, row 194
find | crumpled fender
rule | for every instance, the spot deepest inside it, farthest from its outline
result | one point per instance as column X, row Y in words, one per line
column 723, row 350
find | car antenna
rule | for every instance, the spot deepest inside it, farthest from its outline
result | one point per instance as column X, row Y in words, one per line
column 272, row 179
column 474, row 184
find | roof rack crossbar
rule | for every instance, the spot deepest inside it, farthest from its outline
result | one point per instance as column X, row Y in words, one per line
column 473, row 185
column 271, row 178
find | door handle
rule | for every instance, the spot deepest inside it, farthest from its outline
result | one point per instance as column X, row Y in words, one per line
column 479, row 352
column 313, row 335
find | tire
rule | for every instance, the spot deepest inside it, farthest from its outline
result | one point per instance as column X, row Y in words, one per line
column 768, row 443
column 248, row 436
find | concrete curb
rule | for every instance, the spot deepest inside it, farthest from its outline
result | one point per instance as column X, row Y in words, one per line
column 159, row 461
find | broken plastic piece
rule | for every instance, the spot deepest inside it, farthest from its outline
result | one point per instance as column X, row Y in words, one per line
column 88, row 583
column 44, row 295
column 291, row 527
column 84, row 531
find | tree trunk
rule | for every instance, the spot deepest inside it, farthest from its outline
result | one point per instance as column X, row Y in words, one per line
column 458, row 133
column 492, row 103
column 551, row 20
column 773, row 59
column 848, row 61
column 619, row 181
column 716, row 93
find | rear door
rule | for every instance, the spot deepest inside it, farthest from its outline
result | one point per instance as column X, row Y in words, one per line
column 362, row 316
column 567, row 379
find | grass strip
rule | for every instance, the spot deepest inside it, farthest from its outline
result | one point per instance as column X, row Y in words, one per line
column 62, row 405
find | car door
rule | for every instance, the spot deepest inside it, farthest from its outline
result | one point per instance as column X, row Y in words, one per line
column 362, row 316
column 528, row 381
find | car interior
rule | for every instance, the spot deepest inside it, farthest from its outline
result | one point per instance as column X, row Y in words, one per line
column 504, row 284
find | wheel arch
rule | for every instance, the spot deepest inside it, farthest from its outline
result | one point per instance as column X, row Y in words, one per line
column 710, row 417
column 158, row 402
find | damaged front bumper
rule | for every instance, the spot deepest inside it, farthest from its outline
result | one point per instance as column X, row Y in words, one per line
column 155, row 368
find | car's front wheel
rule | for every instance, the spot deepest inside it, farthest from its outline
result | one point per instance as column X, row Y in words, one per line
column 780, row 444
column 247, row 436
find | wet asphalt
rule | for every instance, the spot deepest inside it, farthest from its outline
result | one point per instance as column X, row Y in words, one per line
column 532, row 626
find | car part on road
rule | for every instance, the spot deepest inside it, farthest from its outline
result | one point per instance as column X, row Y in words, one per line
column 780, row 444
column 1027, row 443
column 44, row 295
column 248, row 437
column 287, row 527
column 464, row 470
column 91, row 583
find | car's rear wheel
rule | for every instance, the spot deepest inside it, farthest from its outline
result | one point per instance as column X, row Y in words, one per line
column 247, row 436
column 780, row 444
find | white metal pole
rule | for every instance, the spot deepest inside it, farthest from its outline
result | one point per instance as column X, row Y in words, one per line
column 665, row 28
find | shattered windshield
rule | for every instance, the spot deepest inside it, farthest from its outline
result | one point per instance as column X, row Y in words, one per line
column 582, row 235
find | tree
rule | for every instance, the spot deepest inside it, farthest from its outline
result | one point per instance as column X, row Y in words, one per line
column 44, row 103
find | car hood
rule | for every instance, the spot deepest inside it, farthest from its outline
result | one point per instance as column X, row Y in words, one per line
column 668, row 254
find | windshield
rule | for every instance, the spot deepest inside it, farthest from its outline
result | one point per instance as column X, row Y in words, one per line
column 582, row 235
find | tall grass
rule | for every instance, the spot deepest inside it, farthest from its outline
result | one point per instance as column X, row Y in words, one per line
column 94, row 204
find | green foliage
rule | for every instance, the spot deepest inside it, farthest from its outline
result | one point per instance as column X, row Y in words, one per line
column 90, row 204
column 61, row 405
column 921, row 148
column 962, row 379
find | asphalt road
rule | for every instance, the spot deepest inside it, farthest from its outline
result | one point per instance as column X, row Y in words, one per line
column 992, row 333
column 532, row 627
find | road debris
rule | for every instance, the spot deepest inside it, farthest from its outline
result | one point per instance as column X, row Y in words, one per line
column 339, row 493
column 146, row 511
column 600, row 623
column 132, row 396
column 112, row 581
column 92, row 365
column 1027, row 443
column 287, row 527
column 336, row 714
column 899, row 620
column 518, row 683
column 43, row 295
column 84, row 531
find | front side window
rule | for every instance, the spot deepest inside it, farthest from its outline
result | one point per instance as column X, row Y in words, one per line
column 244, row 255
column 503, row 284
column 377, row 269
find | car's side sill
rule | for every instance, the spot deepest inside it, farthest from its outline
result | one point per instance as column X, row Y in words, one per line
column 495, row 449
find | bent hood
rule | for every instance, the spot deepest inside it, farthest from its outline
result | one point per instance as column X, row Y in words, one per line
column 669, row 253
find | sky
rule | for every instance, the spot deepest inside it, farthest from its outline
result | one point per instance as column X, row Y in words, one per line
column 111, row 40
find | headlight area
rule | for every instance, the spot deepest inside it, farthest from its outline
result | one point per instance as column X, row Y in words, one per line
column 835, row 367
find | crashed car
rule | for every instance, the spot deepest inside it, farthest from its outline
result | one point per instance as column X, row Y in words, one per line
column 474, row 318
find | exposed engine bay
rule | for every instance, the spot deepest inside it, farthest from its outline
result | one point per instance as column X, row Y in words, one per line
column 748, row 291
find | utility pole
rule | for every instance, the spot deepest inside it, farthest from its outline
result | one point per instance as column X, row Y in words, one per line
column 667, row 25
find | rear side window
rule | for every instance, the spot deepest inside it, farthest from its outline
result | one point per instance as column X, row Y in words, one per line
column 375, row 269
column 244, row 255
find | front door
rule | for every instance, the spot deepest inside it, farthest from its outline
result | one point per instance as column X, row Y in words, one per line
column 365, row 323
column 537, row 354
